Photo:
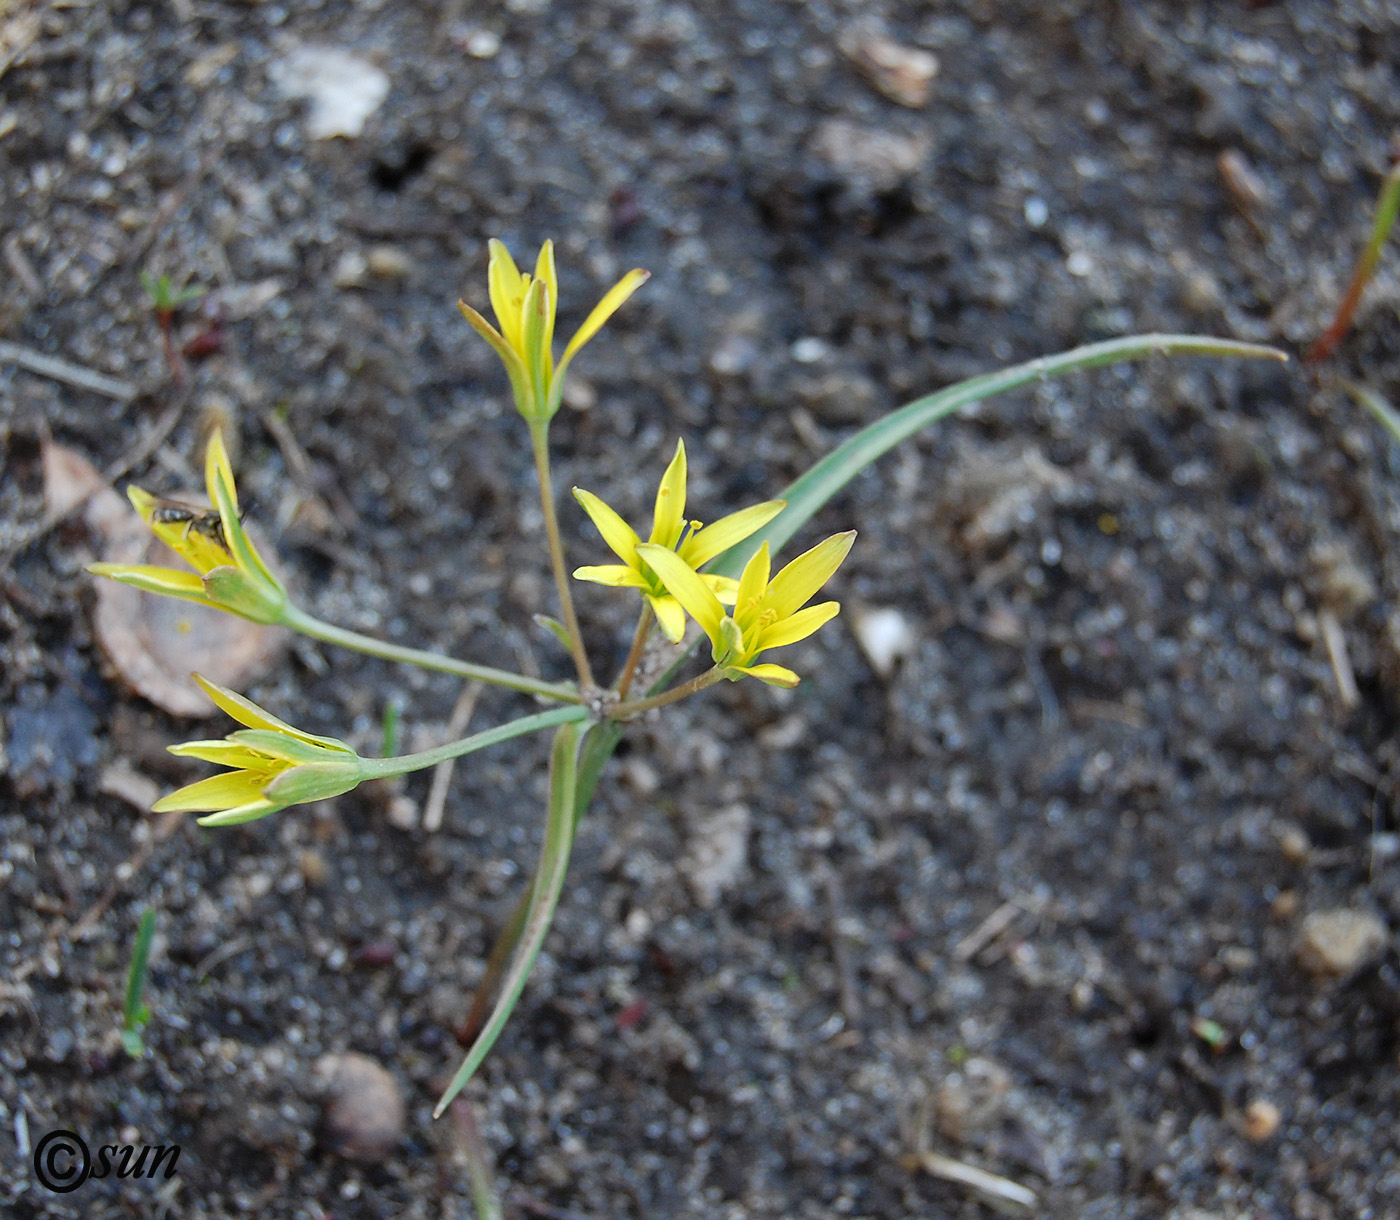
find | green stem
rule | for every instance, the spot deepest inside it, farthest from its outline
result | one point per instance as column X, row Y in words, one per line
column 539, row 436
column 306, row 624
column 708, row 678
column 639, row 641
column 382, row 768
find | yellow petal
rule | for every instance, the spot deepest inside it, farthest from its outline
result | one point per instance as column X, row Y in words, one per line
column 795, row 627
column 609, row 305
column 719, row 536
column 507, row 289
column 515, row 367
column 245, row 711
column 216, row 467
column 686, row 587
column 152, row 579
column 226, row 754
column 670, row 615
column 142, row 501
column 534, row 319
column 774, row 675
column 240, row 548
column 217, row 792
column 621, row 538
column 796, row 583
column 670, row 502
column 614, row 575
column 726, row 588
column 546, row 274
column 753, row 582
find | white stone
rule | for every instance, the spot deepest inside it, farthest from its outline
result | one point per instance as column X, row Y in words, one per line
column 885, row 636
column 343, row 89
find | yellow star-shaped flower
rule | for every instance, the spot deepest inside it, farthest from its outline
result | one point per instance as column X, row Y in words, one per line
column 693, row 545
column 229, row 574
column 274, row 765
column 525, row 306
column 767, row 613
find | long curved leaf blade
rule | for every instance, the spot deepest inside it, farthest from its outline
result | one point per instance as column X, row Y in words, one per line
column 544, row 897
column 811, row 491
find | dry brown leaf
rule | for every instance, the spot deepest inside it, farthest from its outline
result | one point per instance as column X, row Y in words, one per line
column 69, row 479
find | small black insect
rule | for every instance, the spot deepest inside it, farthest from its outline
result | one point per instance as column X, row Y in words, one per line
column 196, row 520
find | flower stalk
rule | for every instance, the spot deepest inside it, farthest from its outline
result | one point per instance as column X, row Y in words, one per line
column 539, row 437
column 328, row 633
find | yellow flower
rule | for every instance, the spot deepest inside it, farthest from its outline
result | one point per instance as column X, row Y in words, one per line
column 767, row 613
column 274, row 765
column 693, row 544
column 524, row 306
column 229, row 574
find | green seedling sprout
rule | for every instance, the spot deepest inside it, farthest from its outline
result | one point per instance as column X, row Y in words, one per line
column 1387, row 206
column 724, row 573
column 165, row 300
column 136, row 1012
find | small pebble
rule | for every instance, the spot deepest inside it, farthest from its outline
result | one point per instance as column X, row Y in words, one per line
column 313, row 868
column 886, row 638
column 364, row 1108
column 388, row 262
column 1293, row 842
column 1261, row 1120
column 1335, row 943
column 483, row 44
column 809, row 350
column 350, row 269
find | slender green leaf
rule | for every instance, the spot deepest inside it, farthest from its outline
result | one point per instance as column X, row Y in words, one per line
column 544, row 897
column 1385, row 414
column 812, row 490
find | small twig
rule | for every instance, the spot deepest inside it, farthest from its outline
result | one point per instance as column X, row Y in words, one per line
column 442, row 773
column 67, row 372
column 997, row 1191
column 1335, row 639
column 987, row 931
column 991, row 1185
column 230, row 948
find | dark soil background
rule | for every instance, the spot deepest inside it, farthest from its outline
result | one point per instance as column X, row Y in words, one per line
column 1117, row 730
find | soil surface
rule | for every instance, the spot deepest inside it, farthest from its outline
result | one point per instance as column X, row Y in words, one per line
column 1094, row 888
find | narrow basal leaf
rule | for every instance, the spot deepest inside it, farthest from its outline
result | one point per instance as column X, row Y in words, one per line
column 812, row 490
column 544, row 897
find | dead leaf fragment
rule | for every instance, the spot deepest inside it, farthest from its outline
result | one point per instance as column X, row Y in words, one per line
column 903, row 74
column 69, row 479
